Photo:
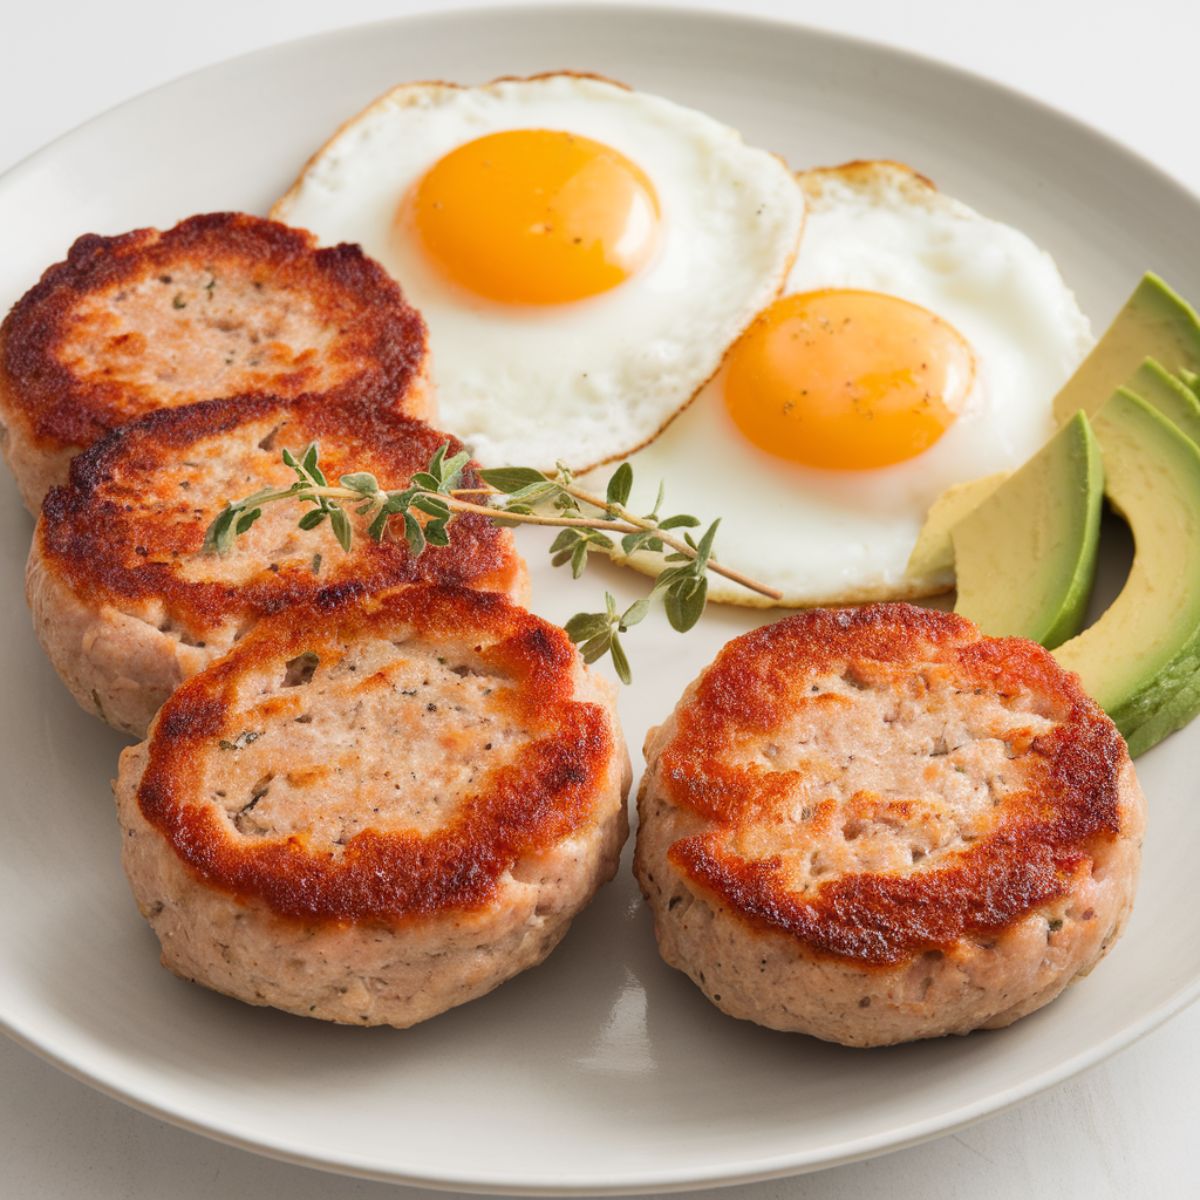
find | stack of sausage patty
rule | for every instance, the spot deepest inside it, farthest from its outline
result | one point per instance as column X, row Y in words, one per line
column 373, row 786
column 382, row 787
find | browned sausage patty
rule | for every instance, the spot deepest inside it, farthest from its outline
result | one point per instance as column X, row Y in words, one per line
column 127, row 604
column 220, row 305
column 875, row 825
column 374, row 811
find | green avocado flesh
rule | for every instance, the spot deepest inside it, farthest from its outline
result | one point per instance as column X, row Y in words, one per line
column 1154, row 323
column 1154, row 384
column 1025, row 556
column 1140, row 660
column 933, row 555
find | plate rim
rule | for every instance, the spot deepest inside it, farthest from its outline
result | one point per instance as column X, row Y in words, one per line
column 672, row 1179
column 663, row 1183
column 619, row 7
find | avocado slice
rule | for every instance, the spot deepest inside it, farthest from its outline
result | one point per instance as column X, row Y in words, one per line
column 1160, row 389
column 1140, row 660
column 1026, row 555
column 1155, row 322
column 933, row 555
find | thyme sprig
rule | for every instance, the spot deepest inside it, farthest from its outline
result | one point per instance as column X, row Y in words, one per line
column 425, row 509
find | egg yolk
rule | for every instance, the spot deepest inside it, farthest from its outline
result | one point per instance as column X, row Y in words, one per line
column 535, row 216
column 847, row 380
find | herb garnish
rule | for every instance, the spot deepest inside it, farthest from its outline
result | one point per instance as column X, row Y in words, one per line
column 242, row 740
column 513, row 496
column 300, row 670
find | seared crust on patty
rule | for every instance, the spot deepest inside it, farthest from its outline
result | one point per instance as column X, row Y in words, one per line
column 124, row 599
column 875, row 824
column 371, row 810
column 220, row 305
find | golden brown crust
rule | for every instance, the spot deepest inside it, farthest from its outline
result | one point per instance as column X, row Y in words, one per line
column 859, row 170
column 1045, row 831
column 73, row 350
column 129, row 527
column 541, row 794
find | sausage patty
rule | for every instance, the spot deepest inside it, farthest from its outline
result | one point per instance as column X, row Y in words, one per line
column 374, row 811
column 127, row 604
column 876, row 825
column 220, row 305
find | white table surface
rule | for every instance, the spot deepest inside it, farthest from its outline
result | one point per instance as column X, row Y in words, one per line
column 1126, row 1129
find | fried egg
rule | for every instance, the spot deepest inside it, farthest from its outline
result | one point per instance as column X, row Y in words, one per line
column 917, row 344
column 583, row 254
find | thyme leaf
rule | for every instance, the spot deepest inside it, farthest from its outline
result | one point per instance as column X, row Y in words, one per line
column 242, row 740
column 426, row 509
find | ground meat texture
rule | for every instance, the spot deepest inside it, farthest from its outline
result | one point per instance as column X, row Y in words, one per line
column 126, row 603
column 876, row 825
column 222, row 304
column 379, row 812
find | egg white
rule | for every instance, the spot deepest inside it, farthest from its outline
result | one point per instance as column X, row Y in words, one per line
column 826, row 537
column 589, row 381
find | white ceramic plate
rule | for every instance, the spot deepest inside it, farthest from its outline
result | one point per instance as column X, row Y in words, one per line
column 601, row 1071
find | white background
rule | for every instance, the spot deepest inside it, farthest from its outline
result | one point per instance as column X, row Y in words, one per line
column 1126, row 1129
